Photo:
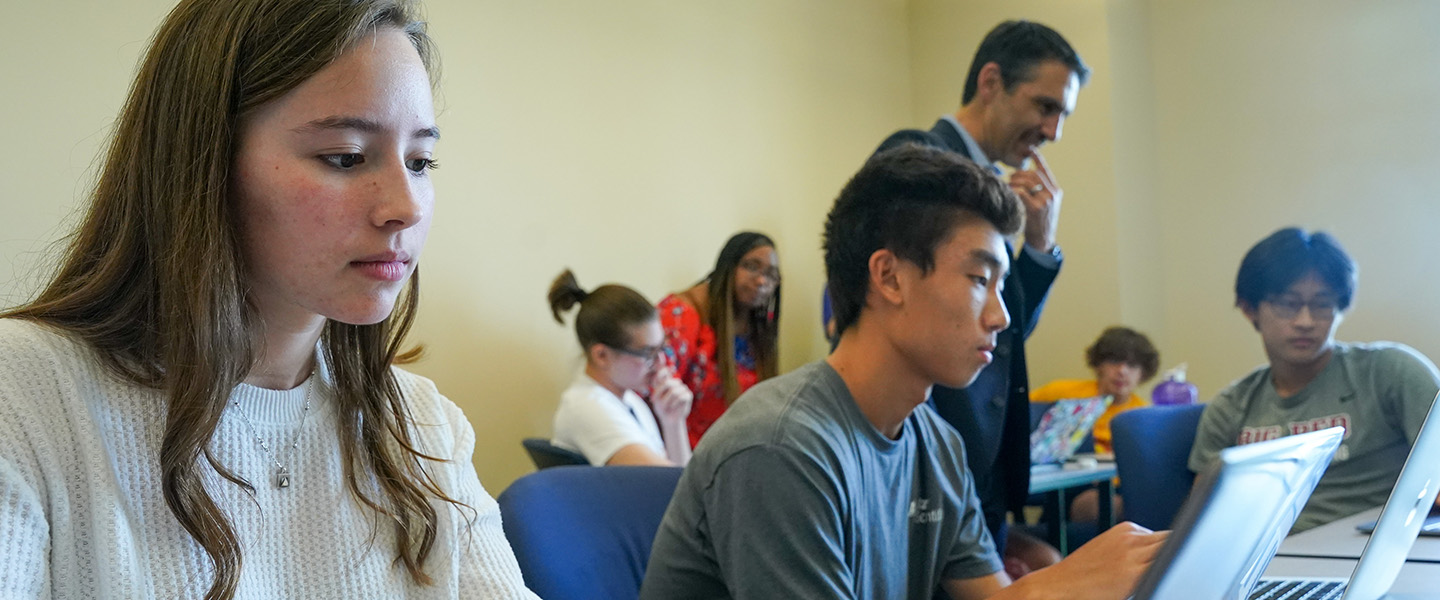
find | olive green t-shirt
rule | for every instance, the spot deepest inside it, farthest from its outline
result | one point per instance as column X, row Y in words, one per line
column 1379, row 392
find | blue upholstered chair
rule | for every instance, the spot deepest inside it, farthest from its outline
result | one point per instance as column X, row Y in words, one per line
column 545, row 454
column 584, row 533
column 1152, row 448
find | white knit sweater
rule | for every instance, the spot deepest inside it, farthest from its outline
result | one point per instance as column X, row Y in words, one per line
column 82, row 513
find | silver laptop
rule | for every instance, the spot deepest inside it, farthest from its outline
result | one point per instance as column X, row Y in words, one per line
column 1239, row 511
column 1400, row 521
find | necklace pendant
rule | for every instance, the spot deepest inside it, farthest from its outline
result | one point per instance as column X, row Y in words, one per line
column 282, row 478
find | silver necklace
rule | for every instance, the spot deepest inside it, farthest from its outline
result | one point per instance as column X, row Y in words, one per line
column 282, row 474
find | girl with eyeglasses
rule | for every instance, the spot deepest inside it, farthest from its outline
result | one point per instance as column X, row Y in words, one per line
column 721, row 334
column 601, row 414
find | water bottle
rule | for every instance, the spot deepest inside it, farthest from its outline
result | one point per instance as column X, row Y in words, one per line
column 1174, row 389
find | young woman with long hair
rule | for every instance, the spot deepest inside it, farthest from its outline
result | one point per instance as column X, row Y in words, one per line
column 601, row 414
column 721, row 333
column 202, row 401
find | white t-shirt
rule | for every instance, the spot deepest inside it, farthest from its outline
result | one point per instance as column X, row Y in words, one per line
column 591, row 420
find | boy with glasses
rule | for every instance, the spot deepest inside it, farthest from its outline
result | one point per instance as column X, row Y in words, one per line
column 1295, row 287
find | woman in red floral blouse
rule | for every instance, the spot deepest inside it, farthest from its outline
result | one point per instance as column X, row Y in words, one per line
column 721, row 353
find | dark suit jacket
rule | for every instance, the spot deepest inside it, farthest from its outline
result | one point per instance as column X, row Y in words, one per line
column 996, row 429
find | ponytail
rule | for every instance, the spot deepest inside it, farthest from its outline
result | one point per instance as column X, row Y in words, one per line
column 565, row 293
column 605, row 312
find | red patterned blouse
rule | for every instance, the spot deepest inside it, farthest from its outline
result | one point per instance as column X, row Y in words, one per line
column 690, row 352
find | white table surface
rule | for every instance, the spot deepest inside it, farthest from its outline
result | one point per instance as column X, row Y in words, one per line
column 1340, row 539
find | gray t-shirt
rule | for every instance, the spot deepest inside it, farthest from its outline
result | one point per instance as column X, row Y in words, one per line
column 794, row 494
column 1379, row 392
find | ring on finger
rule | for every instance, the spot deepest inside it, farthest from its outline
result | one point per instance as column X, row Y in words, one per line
column 1038, row 187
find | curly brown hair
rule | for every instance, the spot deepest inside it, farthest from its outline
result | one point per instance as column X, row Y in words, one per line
column 1123, row 344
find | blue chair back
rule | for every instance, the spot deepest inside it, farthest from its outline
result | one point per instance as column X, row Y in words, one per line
column 584, row 533
column 1152, row 449
column 545, row 454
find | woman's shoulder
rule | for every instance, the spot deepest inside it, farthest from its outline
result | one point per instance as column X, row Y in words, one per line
column 54, row 391
column 584, row 390
column 29, row 349
column 676, row 304
column 20, row 338
column 435, row 417
column 679, row 314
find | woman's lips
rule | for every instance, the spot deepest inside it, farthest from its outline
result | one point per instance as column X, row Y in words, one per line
column 383, row 270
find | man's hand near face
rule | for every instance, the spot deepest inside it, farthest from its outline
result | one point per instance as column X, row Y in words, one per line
column 1037, row 189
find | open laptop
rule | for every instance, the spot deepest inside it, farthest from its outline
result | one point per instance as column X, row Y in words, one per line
column 1064, row 427
column 1395, row 531
column 1239, row 511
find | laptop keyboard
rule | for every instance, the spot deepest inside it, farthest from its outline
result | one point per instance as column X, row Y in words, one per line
column 1298, row 590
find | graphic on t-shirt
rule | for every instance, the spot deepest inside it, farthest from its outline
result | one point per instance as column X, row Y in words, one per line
column 1261, row 433
column 921, row 513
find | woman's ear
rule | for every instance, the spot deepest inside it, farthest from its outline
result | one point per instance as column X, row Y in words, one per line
column 599, row 355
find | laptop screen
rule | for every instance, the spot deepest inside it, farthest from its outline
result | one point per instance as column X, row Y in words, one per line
column 1064, row 427
column 1404, row 514
column 1236, row 516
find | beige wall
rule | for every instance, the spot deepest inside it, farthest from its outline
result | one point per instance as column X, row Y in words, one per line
column 628, row 139
column 65, row 68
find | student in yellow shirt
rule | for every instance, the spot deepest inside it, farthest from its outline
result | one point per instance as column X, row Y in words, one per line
column 1122, row 359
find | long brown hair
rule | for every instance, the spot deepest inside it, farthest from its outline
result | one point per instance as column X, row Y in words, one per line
column 764, row 322
column 153, row 278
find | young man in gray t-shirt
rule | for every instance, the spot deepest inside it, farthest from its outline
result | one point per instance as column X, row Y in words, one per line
column 1295, row 287
column 835, row 481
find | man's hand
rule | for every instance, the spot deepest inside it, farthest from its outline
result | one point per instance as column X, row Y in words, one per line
column 1106, row 568
column 1040, row 194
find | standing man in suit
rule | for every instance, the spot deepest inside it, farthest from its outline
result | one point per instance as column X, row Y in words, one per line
column 1021, row 86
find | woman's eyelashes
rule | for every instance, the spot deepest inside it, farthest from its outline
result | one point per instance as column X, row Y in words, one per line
column 420, row 165
column 345, row 161
column 349, row 160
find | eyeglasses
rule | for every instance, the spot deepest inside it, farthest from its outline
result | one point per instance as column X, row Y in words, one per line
column 1321, row 309
column 757, row 269
column 649, row 354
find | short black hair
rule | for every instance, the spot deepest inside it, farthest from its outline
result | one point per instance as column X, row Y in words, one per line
column 907, row 199
column 1286, row 256
column 1017, row 47
column 1124, row 345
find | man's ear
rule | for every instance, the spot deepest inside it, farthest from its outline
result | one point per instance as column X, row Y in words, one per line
column 884, row 276
column 989, row 83
column 1251, row 312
